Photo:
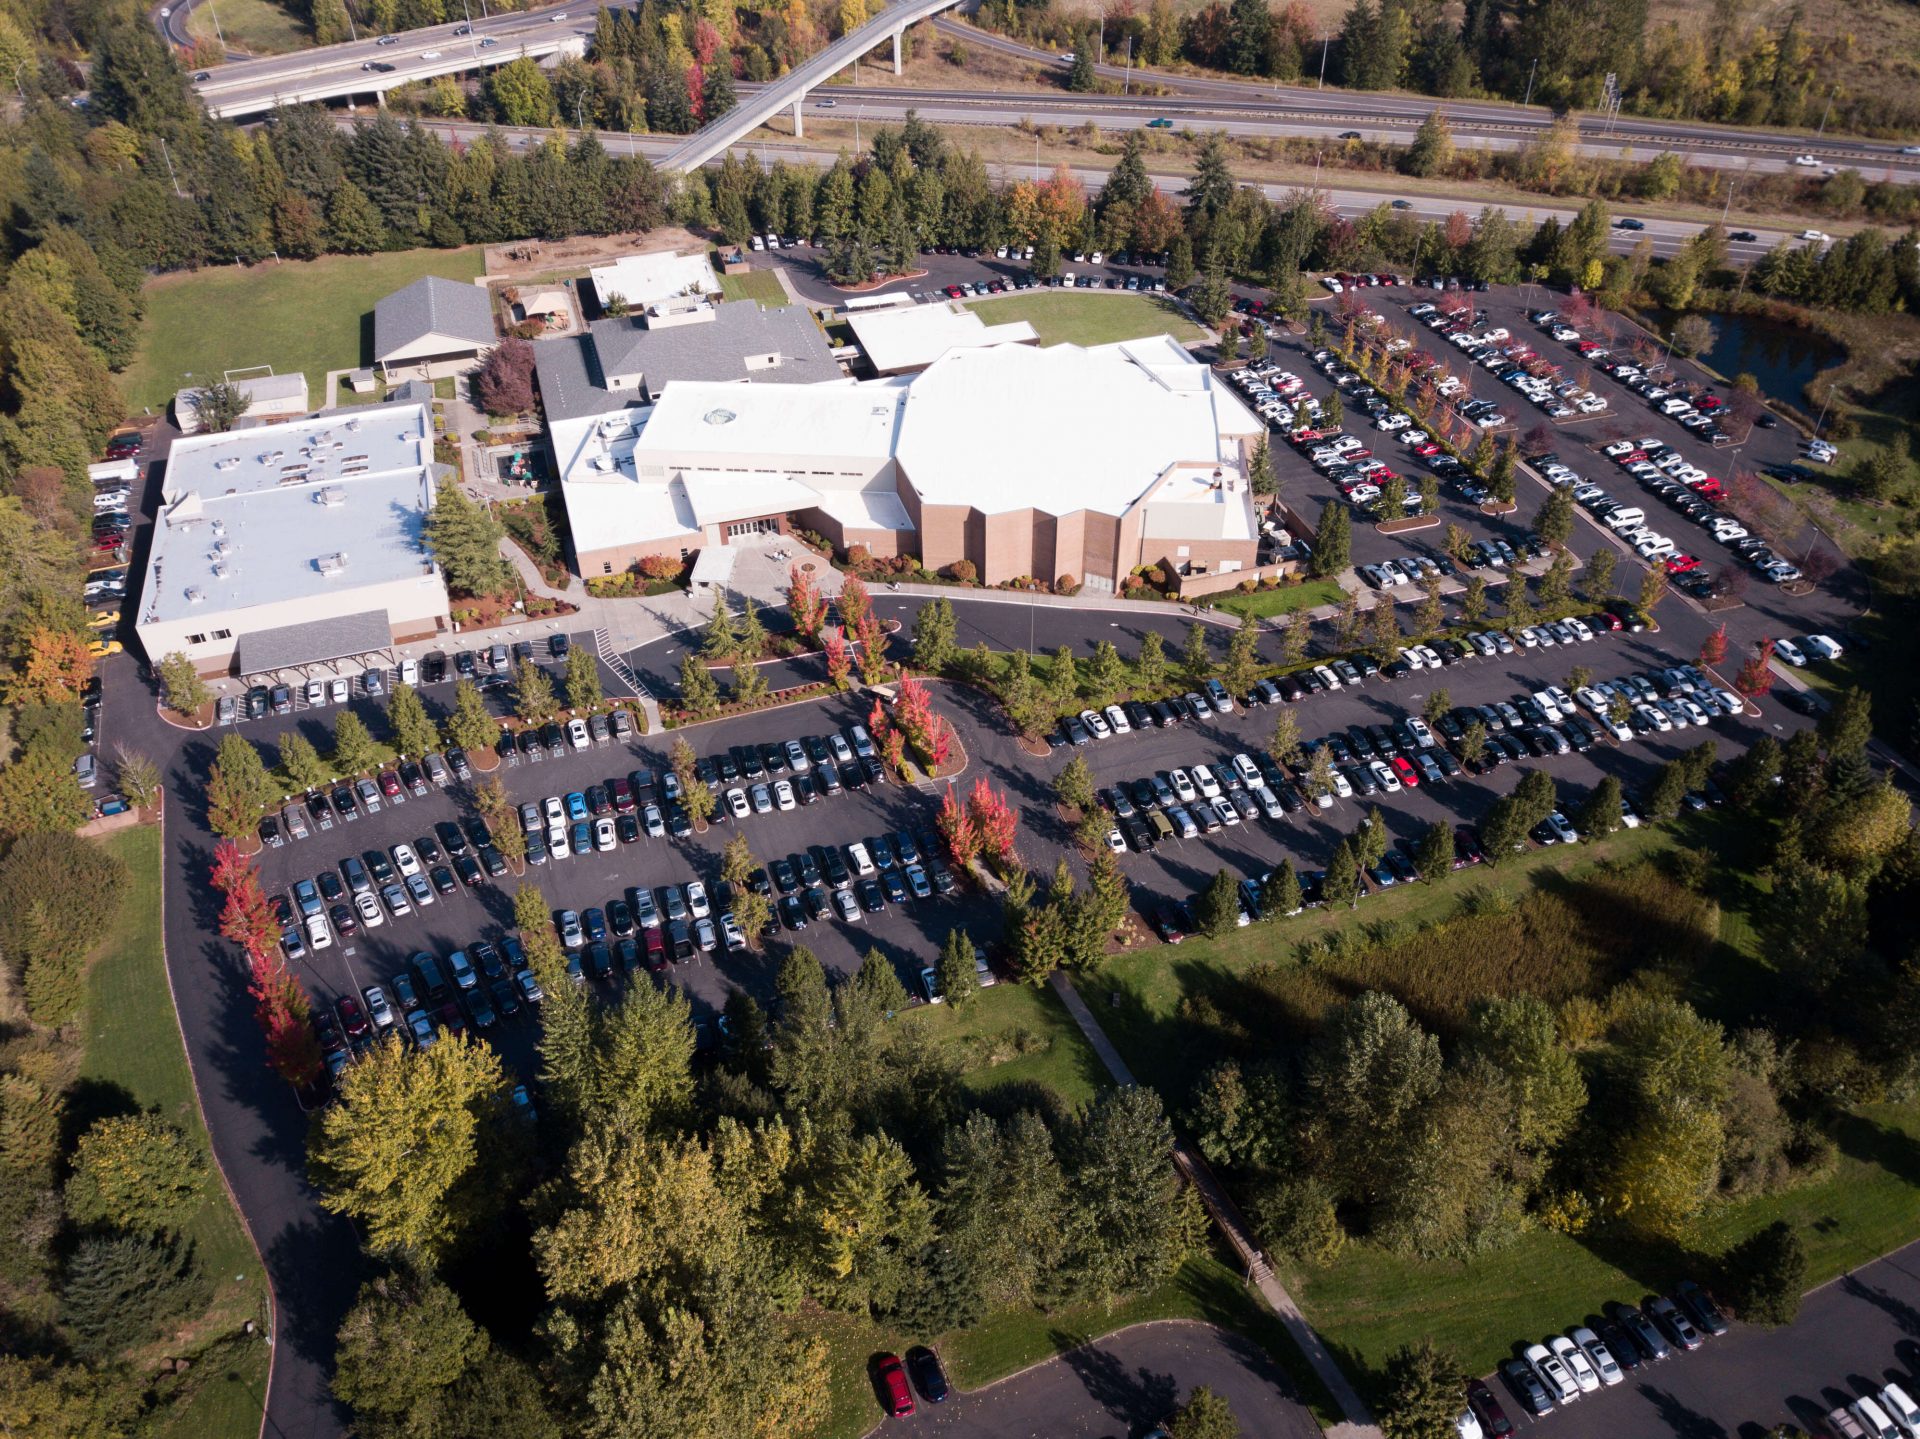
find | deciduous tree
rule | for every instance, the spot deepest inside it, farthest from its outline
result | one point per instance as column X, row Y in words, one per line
column 135, row 1172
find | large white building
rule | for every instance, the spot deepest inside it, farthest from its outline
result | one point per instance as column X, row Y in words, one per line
column 1067, row 461
column 295, row 546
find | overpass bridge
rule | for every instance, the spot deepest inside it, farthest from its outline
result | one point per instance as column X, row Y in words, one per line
column 791, row 90
column 371, row 67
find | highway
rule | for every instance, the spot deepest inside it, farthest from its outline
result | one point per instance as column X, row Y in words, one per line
column 365, row 68
column 1395, row 115
column 1665, row 236
column 1251, row 116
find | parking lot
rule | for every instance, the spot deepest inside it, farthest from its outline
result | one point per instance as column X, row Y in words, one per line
column 1851, row 1338
column 908, row 933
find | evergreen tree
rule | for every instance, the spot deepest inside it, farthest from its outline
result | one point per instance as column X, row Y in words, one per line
column 414, row 732
column 1332, row 540
column 465, row 539
column 956, row 969
column 470, row 727
column 1217, row 909
column 1150, row 666
column 699, row 695
column 533, row 697
column 354, row 751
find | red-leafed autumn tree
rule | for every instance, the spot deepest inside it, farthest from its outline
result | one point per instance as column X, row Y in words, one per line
column 996, row 823
column 805, row 604
column 1714, row 649
column 957, row 829
column 839, row 663
column 1756, row 675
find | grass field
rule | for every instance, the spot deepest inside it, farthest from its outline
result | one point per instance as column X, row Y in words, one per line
column 134, row 1055
column 1011, row 1034
column 1091, row 319
column 1203, row 1289
column 258, row 27
column 1283, row 601
column 306, row 315
column 761, row 285
column 1370, row 1302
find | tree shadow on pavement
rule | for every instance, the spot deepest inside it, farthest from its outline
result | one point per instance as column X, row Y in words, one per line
column 1679, row 1420
column 1897, row 1309
column 1135, row 1396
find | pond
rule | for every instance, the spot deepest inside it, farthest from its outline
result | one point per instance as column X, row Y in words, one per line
column 1781, row 357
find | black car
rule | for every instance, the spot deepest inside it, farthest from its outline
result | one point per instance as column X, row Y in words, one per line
column 928, row 1377
column 344, row 803
column 450, row 836
column 792, row 912
column 259, row 700
column 869, row 895
column 468, row 868
column 443, row 881
column 554, row 738
column 477, row 831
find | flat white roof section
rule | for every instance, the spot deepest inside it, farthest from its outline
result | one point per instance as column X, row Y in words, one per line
column 783, row 422
column 911, row 339
column 642, row 280
column 1199, row 502
column 312, row 508
column 1061, row 429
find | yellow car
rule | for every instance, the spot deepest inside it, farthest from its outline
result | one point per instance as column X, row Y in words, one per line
column 100, row 649
column 103, row 619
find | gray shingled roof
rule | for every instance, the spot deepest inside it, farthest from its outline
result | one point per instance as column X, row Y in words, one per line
column 571, row 385
column 313, row 642
column 715, row 349
column 432, row 306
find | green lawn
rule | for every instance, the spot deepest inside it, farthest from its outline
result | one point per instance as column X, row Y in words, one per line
column 1370, row 1302
column 258, row 27
column 1284, row 601
column 133, row 1044
column 308, row 315
column 761, row 285
column 1203, row 1289
column 1011, row 1034
column 1063, row 318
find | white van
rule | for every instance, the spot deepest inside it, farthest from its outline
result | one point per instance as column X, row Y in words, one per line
column 1874, row 1420
column 859, row 859
column 1625, row 517
column 1900, row 1408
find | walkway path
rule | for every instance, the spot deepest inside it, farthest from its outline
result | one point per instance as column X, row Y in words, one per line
column 1239, row 1234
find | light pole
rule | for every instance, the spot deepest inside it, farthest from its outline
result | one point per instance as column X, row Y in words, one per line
column 473, row 40
column 1325, row 40
column 1828, row 113
column 1530, row 74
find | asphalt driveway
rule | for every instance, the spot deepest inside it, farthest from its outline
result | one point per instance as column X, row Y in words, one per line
column 1120, row 1386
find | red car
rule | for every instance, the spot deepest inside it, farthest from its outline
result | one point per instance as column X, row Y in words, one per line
column 352, row 1018
column 1708, row 403
column 890, row 1378
column 1426, row 450
column 389, row 783
column 954, row 292
column 1710, row 489
column 1466, row 847
column 1680, row 564
column 1409, row 776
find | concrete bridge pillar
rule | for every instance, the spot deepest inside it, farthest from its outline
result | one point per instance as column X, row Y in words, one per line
column 797, row 122
column 896, row 52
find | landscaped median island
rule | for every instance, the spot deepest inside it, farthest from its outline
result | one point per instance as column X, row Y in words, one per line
column 146, row 1295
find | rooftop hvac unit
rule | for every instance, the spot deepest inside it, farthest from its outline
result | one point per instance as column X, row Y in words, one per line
column 602, row 463
column 332, row 496
column 222, row 548
column 219, row 527
column 227, row 463
column 195, row 594
column 333, row 564
column 221, row 570
column 353, row 427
